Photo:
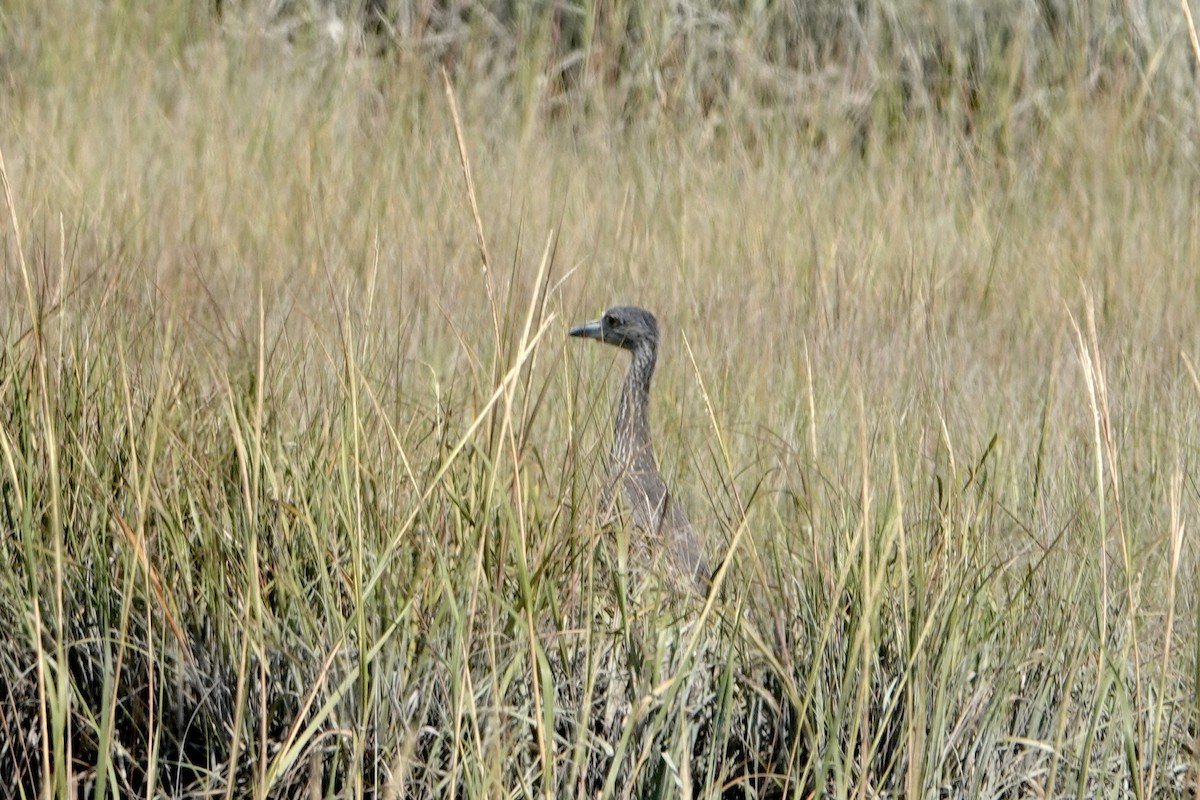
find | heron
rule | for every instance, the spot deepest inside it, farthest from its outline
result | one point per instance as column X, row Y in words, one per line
column 632, row 461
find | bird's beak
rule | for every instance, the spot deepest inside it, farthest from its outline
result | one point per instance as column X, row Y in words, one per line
column 589, row 330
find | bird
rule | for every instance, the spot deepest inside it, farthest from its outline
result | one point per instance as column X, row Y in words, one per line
column 632, row 461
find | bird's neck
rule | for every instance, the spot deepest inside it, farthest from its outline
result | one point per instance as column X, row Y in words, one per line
column 633, row 406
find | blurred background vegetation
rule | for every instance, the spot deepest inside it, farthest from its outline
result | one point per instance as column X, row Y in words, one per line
column 999, row 69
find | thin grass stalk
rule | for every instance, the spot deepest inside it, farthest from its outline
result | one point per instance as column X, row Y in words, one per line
column 865, row 630
column 60, row 703
column 256, row 490
column 1175, row 535
column 251, row 608
column 350, row 471
column 544, row 724
column 1122, row 539
column 1195, row 767
column 481, row 240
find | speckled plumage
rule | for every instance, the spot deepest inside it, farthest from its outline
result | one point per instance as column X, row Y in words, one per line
column 632, row 460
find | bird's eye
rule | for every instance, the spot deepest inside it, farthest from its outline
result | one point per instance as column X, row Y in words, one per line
column 610, row 321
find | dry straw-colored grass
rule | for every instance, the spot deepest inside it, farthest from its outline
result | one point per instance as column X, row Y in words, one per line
column 298, row 491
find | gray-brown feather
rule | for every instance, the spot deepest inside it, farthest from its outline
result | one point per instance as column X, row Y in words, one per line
column 632, row 460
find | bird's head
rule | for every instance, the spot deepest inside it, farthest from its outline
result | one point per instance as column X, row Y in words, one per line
column 629, row 327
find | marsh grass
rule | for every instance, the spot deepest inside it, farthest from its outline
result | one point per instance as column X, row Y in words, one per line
column 300, row 475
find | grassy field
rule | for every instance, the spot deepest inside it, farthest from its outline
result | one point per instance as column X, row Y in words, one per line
column 299, row 471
